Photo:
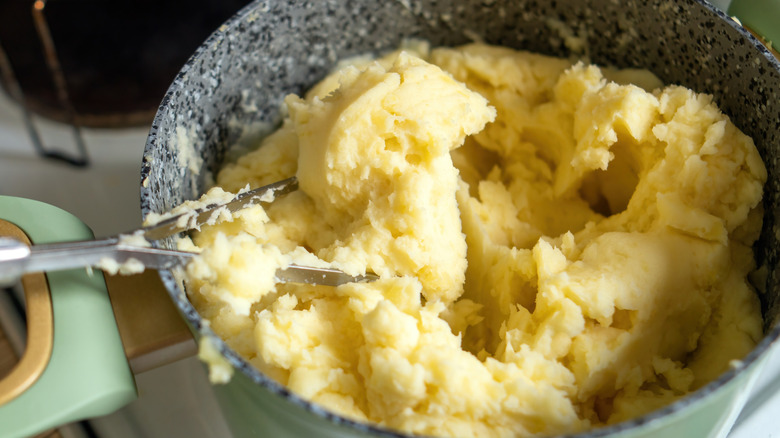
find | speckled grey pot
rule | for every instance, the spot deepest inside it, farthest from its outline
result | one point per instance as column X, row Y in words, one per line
column 233, row 86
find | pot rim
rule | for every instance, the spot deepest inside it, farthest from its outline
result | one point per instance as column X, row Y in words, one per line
column 237, row 362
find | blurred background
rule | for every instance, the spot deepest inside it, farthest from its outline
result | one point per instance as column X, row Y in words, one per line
column 81, row 81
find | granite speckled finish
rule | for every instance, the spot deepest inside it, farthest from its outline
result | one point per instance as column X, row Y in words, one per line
column 230, row 92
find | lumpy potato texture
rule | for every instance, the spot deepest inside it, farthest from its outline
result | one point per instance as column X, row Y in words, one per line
column 558, row 248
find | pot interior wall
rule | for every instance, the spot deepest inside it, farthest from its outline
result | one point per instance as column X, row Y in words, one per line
column 231, row 90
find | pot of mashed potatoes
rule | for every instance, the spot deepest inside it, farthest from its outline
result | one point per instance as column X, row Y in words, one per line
column 561, row 245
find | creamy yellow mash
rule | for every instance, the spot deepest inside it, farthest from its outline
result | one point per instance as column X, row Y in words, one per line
column 558, row 249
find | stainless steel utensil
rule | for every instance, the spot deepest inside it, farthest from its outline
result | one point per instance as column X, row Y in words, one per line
column 17, row 258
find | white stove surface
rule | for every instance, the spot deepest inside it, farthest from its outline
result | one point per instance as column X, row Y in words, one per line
column 176, row 400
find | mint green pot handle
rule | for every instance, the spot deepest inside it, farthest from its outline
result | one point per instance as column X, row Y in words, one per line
column 762, row 16
column 87, row 374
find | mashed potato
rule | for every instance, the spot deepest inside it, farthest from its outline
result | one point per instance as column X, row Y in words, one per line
column 558, row 249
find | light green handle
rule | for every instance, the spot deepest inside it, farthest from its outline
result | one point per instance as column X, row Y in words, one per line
column 762, row 16
column 87, row 374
